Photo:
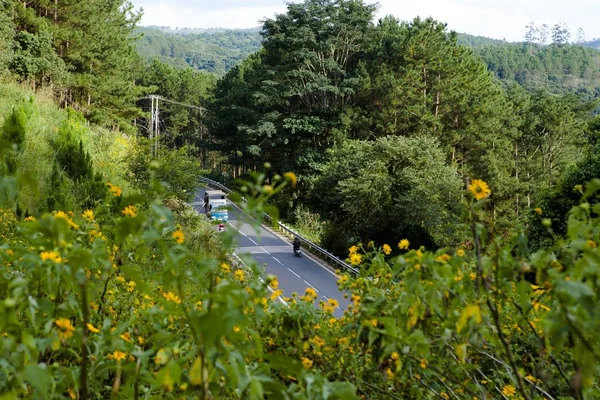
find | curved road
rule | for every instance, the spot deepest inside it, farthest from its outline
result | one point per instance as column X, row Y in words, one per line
column 295, row 274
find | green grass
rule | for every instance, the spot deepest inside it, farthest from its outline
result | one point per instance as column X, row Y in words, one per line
column 108, row 149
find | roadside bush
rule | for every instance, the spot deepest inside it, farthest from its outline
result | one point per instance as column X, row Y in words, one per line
column 176, row 169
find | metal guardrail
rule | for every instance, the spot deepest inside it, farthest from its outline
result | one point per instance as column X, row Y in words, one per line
column 319, row 250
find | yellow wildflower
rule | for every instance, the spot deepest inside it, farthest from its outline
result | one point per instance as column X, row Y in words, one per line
column 310, row 292
column 343, row 279
column 130, row 211
column 130, row 286
column 88, row 215
column 92, row 328
column 373, row 322
column 114, row 190
column 423, row 363
column 538, row 210
column 290, row 176
column 178, row 236
column 225, row 268
column 239, row 275
column 355, row 259
column 276, row 294
column 460, row 252
column 509, row 391
column 473, row 276
column 50, row 255
column 394, row 356
column 172, row 297
column 274, row 283
column 96, row 234
column 30, row 219
column 126, row 337
column 591, row 244
column 236, row 328
column 62, row 215
column 66, row 328
column 118, row 355
column 307, row 362
column 387, row 249
column 141, row 340
column 403, row 245
column 389, row 373
column 443, row 258
column 479, row 189
column 353, row 250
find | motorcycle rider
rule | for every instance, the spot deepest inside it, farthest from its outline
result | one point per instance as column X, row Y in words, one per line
column 296, row 244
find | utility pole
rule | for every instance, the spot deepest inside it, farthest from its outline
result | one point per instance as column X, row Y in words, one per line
column 154, row 124
column 154, row 128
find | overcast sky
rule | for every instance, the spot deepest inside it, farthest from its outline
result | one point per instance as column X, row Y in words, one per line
column 501, row 19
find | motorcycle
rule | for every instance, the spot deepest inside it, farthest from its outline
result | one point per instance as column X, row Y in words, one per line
column 297, row 252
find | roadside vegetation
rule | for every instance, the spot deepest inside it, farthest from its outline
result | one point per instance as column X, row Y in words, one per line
column 469, row 208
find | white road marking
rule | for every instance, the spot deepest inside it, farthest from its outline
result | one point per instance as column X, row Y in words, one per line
column 274, row 258
column 262, row 248
column 297, row 276
column 316, row 290
column 253, row 241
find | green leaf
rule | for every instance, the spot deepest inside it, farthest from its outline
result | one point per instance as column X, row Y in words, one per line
column 169, row 376
column 339, row 390
column 39, row 378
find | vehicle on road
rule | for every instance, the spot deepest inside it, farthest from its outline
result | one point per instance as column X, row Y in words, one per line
column 296, row 246
column 215, row 205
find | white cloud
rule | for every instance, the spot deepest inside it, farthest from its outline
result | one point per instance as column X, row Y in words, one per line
column 492, row 18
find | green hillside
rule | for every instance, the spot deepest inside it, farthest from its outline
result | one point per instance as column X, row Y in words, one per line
column 215, row 51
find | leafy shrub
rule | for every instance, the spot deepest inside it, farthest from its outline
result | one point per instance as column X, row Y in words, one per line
column 174, row 168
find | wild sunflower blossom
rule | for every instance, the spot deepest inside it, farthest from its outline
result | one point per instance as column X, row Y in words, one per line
column 239, row 274
column 178, row 236
column 355, row 259
column 92, row 328
column 114, row 190
column 307, row 362
column 51, row 255
column 386, row 249
column 66, row 328
column 118, row 355
column 290, row 176
column 88, row 215
column 130, row 211
column 404, row 244
column 172, row 297
column 509, row 391
column 64, row 216
column 479, row 189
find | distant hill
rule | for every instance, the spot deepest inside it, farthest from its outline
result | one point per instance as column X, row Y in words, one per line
column 556, row 68
column 594, row 44
column 476, row 41
column 211, row 50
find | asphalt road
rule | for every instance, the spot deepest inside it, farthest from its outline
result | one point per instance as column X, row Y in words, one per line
column 295, row 274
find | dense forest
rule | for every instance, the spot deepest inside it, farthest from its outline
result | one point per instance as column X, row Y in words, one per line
column 215, row 51
column 460, row 177
column 557, row 68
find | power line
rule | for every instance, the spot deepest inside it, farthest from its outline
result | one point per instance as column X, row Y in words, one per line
column 177, row 102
